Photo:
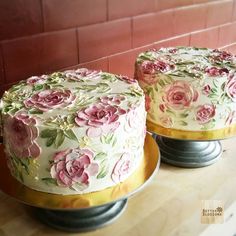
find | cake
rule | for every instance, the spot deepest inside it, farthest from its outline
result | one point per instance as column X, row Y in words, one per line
column 73, row 132
column 188, row 88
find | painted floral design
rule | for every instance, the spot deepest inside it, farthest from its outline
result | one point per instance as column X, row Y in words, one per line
column 147, row 102
column 222, row 55
column 214, row 71
column 231, row 88
column 21, row 134
column 36, row 80
column 230, row 118
column 122, row 168
column 127, row 79
column 205, row 113
column 100, row 118
column 206, row 89
column 166, row 121
column 50, row 99
column 180, row 95
column 73, row 166
column 112, row 100
column 78, row 74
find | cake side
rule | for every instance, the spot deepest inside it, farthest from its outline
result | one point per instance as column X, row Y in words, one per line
column 188, row 88
column 74, row 132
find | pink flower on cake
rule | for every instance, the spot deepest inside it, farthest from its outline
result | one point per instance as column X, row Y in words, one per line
column 166, row 121
column 151, row 67
column 112, row 100
column 80, row 73
column 73, row 166
column 127, row 79
column 122, row 168
column 147, row 102
column 36, row 80
column 50, row 99
column 100, row 118
column 162, row 107
column 230, row 88
column 180, row 95
column 230, row 118
column 206, row 89
column 214, row 71
column 222, row 55
column 205, row 113
column 21, row 134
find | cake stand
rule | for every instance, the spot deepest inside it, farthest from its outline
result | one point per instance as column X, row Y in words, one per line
column 84, row 212
column 189, row 148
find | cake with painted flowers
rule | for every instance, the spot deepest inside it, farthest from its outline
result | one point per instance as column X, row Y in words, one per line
column 73, row 132
column 188, row 88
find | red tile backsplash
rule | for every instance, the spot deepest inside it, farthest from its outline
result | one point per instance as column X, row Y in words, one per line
column 206, row 38
column 219, row 12
column 61, row 14
column 124, row 8
column 41, row 36
column 227, row 34
column 19, row 18
column 104, row 39
column 188, row 19
column 39, row 54
column 152, row 27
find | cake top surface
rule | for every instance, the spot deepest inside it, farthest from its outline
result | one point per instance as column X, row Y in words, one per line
column 188, row 62
column 60, row 96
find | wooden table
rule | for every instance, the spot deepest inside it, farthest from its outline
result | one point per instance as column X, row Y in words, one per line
column 169, row 205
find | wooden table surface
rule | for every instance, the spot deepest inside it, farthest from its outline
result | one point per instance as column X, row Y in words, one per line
column 169, row 205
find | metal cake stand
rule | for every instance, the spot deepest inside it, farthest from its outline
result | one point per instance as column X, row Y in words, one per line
column 189, row 148
column 83, row 212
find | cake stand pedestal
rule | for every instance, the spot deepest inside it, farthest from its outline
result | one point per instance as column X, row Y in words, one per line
column 190, row 149
column 83, row 212
column 81, row 220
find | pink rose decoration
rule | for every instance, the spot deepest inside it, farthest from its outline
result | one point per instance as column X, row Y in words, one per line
column 231, row 88
column 213, row 71
column 73, row 166
column 222, row 55
column 122, row 168
column 173, row 50
column 100, row 118
column 20, row 134
column 147, row 102
column 151, row 67
column 50, row 99
column 180, row 95
column 230, row 118
column 205, row 113
column 81, row 73
column 206, row 89
column 127, row 79
column 162, row 107
column 36, row 80
column 112, row 100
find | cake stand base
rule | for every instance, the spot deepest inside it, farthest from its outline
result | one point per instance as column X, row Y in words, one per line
column 82, row 220
column 191, row 154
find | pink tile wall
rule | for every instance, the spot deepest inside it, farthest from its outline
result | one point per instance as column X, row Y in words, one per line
column 41, row 36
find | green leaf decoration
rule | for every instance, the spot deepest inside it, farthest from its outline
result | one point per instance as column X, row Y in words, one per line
column 47, row 133
column 50, row 141
column 38, row 87
column 59, row 139
column 103, row 139
column 103, row 87
column 170, row 112
column 104, row 170
column 183, row 123
column 184, row 115
column 109, row 77
column 35, row 111
column 49, row 181
column 21, row 176
column 100, row 156
column 70, row 134
column 114, row 142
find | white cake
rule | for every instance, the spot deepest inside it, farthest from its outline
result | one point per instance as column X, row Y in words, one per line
column 188, row 88
column 73, row 132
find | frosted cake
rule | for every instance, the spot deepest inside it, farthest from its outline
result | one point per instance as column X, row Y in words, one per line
column 73, row 132
column 188, row 88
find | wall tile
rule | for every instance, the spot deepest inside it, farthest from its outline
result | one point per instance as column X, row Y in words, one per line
column 230, row 48
column 206, row 38
column 39, row 54
column 234, row 11
column 104, row 39
column 167, row 4
column 152, row 27
column 2, row 75
column 100, row 64
column 227, row 34
column 188, row 19
column 61, row 14
column 219, row 12
column 124, row 8
column 182, row 40
column 19, row 18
